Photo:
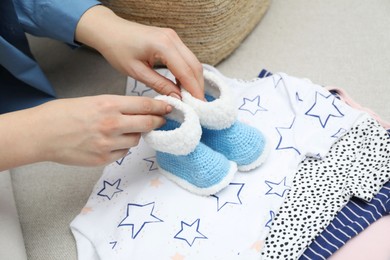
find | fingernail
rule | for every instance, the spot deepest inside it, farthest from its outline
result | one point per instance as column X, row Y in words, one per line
column 175, row 95
column 169, row 109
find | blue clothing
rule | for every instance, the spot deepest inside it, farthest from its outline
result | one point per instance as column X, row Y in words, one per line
column 356, row 216
column 56, row 19
column 18, row 69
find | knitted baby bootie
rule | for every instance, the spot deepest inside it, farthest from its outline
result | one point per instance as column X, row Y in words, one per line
column 181, row 156
column 239, row 142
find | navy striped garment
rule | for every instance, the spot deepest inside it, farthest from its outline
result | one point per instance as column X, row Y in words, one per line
column 354, row 217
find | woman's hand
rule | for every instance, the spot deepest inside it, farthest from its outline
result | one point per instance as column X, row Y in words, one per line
column 84, row 131
column 133, row 49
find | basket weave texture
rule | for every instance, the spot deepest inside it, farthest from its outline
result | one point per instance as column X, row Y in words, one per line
column 212, row 29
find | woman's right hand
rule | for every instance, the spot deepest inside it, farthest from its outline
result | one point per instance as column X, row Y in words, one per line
column 134, row 48
column 87, row 131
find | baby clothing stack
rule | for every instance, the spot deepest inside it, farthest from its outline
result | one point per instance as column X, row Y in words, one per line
column 360, row 200
column 321, row 153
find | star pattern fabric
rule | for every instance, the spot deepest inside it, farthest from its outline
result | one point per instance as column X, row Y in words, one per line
column 287, row 138
column 110, row 189
column 152, row 163
column 113, row 243
column 153, row 218
column 190, row 232
column 271, row 219
column 229, row 195
column 252, row 105
column 137, row 216
column 139, row 88
column 324, row 108
column 120, row 161
column 340, row 133
column 278, row 189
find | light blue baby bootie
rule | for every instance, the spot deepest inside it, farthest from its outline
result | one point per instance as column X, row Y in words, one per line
column 222, row 132
column 181, row 156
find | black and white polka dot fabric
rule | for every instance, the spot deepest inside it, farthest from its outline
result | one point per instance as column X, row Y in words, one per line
column 356, row 165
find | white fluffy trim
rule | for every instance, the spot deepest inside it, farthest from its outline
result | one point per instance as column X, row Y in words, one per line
column 218, row 114
column 179, row 141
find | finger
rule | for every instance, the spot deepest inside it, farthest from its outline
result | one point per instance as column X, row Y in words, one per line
column 144, row 106
column 154, row 80
column 184, row 65
column 141, row 123
column 192, row 62
column 180, row 69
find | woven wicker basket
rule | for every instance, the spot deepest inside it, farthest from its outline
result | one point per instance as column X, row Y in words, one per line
column 212, row 29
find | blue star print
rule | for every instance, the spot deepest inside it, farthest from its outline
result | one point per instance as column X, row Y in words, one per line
column 140, row 88
column 271, row 218
column 120, row 161
column 152, row 163
column 315, row 156
column 190, row 232
column 278, row 188
column 137, row 216
column 297, row 97
column 287, row 139
column 277, row 80
column 113, row 244
column 252, row 105
column 109, row 190
column 339, row 133
column 229, row 195
column 324, row 108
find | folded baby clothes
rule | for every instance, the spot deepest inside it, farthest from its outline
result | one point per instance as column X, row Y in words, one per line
column 356, row 166
column 181, row 156
column 354, row 217
column 134, row 212
column 358, row 214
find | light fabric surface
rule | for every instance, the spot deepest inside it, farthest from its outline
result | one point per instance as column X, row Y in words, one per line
column 11, row 238
column 340, row 43
column 133, row 207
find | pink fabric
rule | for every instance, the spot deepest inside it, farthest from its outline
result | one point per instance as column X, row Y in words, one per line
column 348, row 100
column 372, row 243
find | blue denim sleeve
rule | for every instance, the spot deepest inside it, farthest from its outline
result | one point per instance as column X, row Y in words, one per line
column 56, row 19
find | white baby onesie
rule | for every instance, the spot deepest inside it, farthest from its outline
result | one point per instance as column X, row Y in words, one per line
column 134, row 212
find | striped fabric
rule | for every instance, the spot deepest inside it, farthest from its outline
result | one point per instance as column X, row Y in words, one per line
column 356, row 216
